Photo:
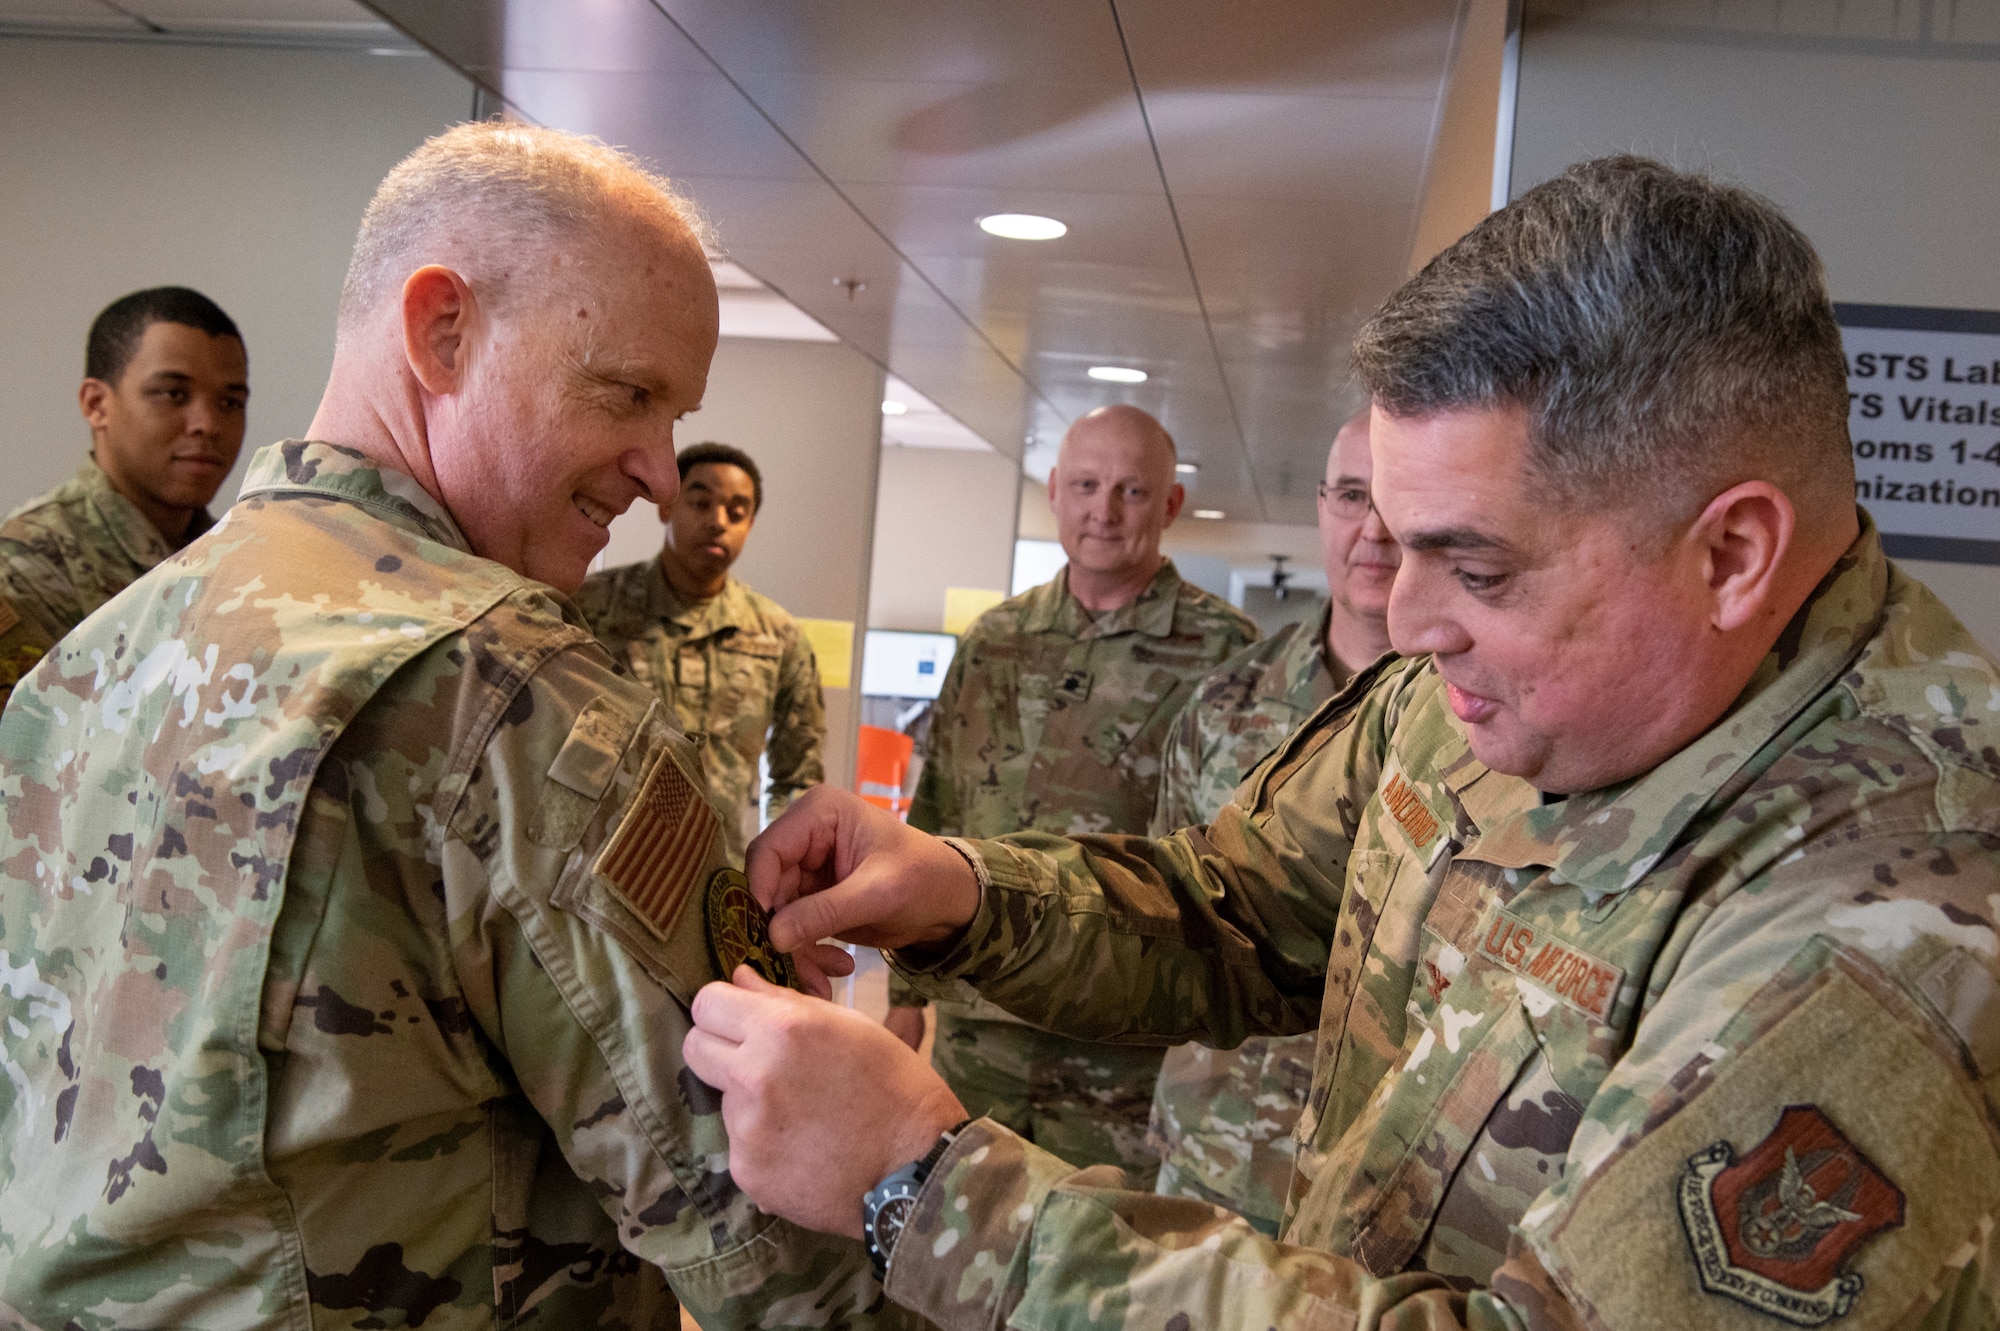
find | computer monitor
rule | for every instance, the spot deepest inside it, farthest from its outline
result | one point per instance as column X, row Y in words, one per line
column 895, row 664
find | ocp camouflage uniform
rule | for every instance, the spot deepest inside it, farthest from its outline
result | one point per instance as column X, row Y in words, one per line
column 351, row 907
column 66, row 553
column 23, row 640
column 1052, row 718
column 1713, row 1047
column 734, row 668
column 1223, row 1118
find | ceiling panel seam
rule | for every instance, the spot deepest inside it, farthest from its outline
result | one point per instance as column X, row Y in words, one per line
column 866, row 220
column 137, row 18
column 1460, row 19
column 1187, row 257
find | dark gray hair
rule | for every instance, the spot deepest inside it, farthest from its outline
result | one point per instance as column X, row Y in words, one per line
column 1666, row 335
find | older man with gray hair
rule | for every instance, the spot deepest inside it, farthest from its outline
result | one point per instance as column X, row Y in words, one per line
column 351, row 904
column 1646, row 909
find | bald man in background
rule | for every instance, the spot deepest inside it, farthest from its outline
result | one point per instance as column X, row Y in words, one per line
column 1051, row 719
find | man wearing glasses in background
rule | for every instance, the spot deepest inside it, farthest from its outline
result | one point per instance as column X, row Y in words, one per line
column 1223, row 1119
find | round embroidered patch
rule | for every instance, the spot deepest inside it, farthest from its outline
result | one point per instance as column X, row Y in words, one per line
column 739, row 931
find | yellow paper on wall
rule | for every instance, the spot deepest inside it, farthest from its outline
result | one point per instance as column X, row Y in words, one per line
column 833, row 643
column 962, row 605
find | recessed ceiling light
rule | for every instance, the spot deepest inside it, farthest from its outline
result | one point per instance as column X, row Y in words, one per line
column 1187, row 468
column 894, row 408
column 1117, row 374
column 1210, row 513
column 1022, row 226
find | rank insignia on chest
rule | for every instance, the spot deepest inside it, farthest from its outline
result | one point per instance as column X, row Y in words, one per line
column 1073, row 686
column 739, row 931
column 1774, row 1228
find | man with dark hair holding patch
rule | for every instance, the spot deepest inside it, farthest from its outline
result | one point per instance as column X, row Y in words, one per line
column 1647, row 909
column 165, row 381
column 726, row 658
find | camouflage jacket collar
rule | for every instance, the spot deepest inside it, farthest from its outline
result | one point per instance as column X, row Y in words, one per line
column 721, row 613
column 1607, row 840
column 1304, row 674
column 1051, row 609
column 120, row 519
column 340, row 472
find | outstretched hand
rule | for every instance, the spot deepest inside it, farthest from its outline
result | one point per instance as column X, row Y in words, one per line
column 820, row 1102
column 835, row 866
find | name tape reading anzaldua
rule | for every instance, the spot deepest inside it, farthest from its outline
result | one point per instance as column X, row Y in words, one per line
column 1924, row 412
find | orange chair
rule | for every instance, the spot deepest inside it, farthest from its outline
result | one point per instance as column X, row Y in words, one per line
column 881, row 767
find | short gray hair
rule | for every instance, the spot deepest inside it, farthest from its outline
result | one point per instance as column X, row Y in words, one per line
column 480, row 192
column 1666, row 335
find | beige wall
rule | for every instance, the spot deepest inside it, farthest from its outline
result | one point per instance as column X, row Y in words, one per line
column 239, row 172
column 944, row 518
column 1883, row 150
column 810, row 413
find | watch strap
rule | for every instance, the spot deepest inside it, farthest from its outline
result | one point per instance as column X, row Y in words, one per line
column 939, row 1147
column 881, row 1249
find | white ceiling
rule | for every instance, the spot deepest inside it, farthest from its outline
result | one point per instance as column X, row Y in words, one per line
column 264, row 22
column 1243, row 183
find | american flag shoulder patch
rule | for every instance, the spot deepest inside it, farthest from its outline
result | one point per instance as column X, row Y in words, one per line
column 655, row 858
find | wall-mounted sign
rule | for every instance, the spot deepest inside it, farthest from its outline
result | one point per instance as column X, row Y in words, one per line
column 1924, row 411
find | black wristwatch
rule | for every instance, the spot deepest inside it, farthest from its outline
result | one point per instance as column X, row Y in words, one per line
column 886, row 1207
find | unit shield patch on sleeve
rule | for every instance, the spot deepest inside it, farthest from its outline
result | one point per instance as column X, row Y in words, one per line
column 1775, row 1228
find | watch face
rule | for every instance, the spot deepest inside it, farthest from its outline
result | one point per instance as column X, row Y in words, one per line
column 889, row 1221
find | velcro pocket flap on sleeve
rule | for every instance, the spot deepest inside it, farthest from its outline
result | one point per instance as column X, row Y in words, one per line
column 589, row 758
column 581, row 773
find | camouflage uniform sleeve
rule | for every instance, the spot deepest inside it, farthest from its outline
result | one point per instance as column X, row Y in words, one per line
column 1005, row 1234
column 1180, row 772
column 798, row 724
column 935, row 808
column 1815, row 1029
column 587, row 995
column 1804, row 1121
column 34, row 584
column 1210, row 934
